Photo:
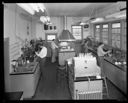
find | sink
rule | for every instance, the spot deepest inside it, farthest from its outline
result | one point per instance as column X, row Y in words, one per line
column 25, row 68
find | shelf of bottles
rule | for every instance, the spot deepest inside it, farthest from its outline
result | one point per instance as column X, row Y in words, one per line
column 105, row 33
column 116, row 32
column 97, row 33
column 124, row 37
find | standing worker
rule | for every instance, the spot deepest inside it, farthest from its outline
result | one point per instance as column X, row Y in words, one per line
column 86, row 47
column 41, row 52
column 54, row 51
column 101, row 53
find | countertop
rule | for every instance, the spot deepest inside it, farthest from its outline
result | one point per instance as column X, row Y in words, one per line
column 29, row 68
column 109, row 59
column 121, row 67
column 87, row 78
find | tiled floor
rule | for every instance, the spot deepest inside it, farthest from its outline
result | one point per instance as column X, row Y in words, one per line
column 49, row 89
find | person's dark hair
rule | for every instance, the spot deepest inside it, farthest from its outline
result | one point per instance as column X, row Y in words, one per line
column 85, row 41
column 53, row 39
column 37, row 47
column 100, row 43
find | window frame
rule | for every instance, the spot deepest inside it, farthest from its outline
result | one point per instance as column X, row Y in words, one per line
column 105, row 31
column 81, row 32
column 99, row 32
column 119, row 34
column 46, row 36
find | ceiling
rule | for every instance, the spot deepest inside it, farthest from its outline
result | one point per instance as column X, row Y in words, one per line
column 74, row 9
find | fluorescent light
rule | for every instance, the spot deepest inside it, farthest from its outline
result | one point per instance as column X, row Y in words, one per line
column 48, row 18
column 43, row 19
column 26, row 7
column 82, row 23
column 97, row 20
column 41, row 6
column 34, row 6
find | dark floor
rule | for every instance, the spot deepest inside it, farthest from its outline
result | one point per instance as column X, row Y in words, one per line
column 49, row 89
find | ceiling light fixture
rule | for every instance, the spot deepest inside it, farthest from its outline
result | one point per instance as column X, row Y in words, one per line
column 82, row 23
column 45, row 19
column 26, row 7
column 32, row 7
column 97, row 20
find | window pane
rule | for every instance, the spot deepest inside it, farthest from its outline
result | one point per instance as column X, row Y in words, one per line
column 97, row 26
column 105, row 26
column 51, row 37
column 116, row 25
column 76, row 31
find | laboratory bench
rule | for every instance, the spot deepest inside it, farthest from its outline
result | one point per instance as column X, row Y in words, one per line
column 26, row 79
column 82, row 80
column 116, row 73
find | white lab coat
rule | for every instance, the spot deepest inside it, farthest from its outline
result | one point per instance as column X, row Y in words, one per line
column 54, row 51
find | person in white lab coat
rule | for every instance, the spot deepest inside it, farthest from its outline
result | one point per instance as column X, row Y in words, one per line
column 54, row 51
column 101, row 53
column 41, row 52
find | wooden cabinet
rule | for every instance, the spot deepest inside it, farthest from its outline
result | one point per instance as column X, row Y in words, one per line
column 63, row 56
column 115, row 75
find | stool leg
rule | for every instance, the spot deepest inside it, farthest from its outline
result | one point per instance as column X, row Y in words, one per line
column 106, row 87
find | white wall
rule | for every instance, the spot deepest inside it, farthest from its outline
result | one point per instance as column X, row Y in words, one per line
column 40, row 31
column 18, row 26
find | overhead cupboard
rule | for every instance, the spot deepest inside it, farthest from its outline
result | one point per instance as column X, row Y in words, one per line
column 111, row 33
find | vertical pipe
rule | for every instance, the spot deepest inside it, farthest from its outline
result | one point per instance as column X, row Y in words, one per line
column 65, row 22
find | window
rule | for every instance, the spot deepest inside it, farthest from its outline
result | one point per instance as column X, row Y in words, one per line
column 105, row 33
column 116, row 31
column 77, row 32
column 97, row 33
column 124, row 36
column 50, row 36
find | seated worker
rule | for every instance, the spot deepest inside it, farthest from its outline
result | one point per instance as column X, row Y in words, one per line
column 41, row 52
column 101, row 53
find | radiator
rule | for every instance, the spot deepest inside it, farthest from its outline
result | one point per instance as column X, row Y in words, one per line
column 89, row 95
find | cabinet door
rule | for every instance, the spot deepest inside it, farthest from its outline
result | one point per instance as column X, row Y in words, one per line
column 61, row 58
